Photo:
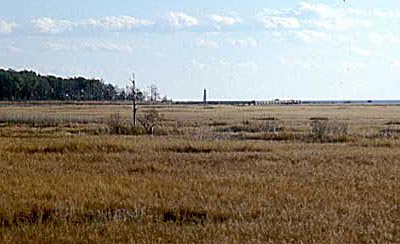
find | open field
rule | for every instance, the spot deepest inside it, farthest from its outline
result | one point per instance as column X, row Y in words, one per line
column 216, row 174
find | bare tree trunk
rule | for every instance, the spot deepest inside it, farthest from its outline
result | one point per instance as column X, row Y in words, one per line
column 134, row 107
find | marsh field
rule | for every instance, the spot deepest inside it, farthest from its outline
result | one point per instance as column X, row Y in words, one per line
column 208, row 174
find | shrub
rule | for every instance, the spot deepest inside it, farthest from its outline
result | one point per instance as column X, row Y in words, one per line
column 150, row 119
column 339, row 128
column 323, row 129
column 319, row 127
column 392, row 130
column 272, row 125
column 118, row 126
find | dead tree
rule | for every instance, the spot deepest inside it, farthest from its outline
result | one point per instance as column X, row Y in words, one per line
column 134, row 105
column 154, row 94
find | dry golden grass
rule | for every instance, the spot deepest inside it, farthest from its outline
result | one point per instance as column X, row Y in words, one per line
column 73, row 183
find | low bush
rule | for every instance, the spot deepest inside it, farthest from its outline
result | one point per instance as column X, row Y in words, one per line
column 268, row 125
column 118, row 126
column 150, row 119
column 271, row 124
column 325, row 130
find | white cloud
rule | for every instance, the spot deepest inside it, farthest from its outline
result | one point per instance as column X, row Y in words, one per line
column 223, row 21
column 107, row 46
column 7, row 27
column 11, row 49
column 54, row 26
column 334, row 19
column 343, row 24
column 249, row 42
column 175, row 20
column 178, row 20
column 310, row 10
column 15, row 50
column 305, row 16
column 274, row 19
column 91, row 46
column 49, row 25
column 202, row 43
column 118, row 22
column 243, row 43
column 233, row 66
column 320, row 16
column 309, row 22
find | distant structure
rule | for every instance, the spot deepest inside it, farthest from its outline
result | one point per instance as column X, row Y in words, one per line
column 205, row 97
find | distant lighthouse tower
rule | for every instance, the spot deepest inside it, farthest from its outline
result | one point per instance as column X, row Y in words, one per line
column 205, row 97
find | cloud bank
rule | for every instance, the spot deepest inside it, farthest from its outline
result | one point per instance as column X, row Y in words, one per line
column 306, row 22
column 7, row 27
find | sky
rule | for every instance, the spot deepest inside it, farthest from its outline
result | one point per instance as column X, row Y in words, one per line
column 262, row 50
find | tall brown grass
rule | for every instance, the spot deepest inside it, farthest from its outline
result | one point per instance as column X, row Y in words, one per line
column 62, row 187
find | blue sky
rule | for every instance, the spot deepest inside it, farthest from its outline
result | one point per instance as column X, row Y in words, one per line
column 236, row 49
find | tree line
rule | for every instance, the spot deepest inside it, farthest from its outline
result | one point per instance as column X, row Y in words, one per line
column 28, row 85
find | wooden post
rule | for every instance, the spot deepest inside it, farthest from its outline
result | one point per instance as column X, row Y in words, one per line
column 134, row 105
